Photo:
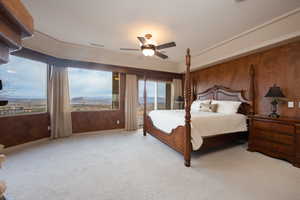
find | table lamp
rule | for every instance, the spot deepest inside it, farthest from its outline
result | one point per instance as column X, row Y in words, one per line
column 275, row 93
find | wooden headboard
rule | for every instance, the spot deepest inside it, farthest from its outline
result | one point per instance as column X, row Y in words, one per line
column 222, row 93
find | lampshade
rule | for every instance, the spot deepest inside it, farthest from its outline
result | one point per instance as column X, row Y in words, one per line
column 179, row 99
column 275, row 92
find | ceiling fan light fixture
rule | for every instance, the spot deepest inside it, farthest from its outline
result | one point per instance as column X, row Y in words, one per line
column 148, row 50
column 149, row 47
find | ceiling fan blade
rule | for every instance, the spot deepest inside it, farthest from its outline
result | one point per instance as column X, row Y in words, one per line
column 167, row 45
column 142, row 40
column 163, row 56
column 129, row 49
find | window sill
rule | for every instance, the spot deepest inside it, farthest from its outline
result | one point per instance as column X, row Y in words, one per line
column 25, row 114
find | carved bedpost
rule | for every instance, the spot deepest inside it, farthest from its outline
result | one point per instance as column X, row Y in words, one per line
column 145, row 105
column 252, row 89
column 187, row 138
column 194, row 89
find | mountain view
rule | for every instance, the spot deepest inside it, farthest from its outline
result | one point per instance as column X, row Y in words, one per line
column 25, row 88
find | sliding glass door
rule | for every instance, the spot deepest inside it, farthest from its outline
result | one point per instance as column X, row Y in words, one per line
column 158, row 97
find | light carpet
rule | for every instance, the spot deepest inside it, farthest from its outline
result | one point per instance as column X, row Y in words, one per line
column 128, row 166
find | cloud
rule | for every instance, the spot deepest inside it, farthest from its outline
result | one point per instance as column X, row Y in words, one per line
column 90, row 83
column 24, row 78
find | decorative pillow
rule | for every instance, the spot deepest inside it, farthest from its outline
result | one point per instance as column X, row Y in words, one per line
column 227, row 107
column 196, row 104
column 207, row 107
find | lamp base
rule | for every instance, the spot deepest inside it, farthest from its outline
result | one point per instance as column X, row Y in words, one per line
column 274, row 115
column 274, row 104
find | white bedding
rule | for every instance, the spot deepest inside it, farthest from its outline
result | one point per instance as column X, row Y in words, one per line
column 202, row 123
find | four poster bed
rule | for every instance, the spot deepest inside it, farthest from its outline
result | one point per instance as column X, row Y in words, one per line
column 182, row 137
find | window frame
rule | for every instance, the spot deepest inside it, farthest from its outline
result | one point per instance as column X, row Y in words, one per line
column 104, row 110
column 47, row 106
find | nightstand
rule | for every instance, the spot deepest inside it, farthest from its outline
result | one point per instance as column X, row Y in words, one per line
column 276, row 137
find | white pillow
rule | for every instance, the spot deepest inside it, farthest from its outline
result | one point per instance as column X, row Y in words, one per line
column 227, row 107
column 196, row 104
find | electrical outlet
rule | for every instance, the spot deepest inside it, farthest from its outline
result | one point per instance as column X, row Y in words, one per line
column 118, row 121
column 290, row 104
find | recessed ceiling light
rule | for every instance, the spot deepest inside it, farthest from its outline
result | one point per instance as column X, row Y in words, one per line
column 96, row 45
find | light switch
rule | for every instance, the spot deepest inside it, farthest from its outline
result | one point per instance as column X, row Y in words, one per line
column 290, row 104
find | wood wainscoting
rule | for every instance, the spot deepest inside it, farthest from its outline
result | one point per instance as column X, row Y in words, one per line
column 97, row 121
column 280, row 65
column 23, row 128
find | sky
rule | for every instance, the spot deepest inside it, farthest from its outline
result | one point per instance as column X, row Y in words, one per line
column 161, row 89
column 24, row 78
column 90, row 83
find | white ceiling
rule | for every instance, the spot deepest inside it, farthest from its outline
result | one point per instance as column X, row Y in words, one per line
column 197, row 24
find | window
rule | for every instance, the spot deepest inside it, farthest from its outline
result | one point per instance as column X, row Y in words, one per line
column 92, row 90
column 158, row 97
column 24, row 86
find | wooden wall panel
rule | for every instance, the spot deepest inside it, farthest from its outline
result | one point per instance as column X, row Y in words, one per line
column 24, row 128
column 97, row 121
column 280, row 65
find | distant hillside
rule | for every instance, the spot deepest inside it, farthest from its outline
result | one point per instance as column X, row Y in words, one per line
column 91, row 100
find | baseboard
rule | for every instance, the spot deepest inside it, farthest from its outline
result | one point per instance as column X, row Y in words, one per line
column 98, row 132
column 20, row 146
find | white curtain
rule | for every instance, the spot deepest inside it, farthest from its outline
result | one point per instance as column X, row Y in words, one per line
column 175, row 92
column 131, row 102
column 59, row 102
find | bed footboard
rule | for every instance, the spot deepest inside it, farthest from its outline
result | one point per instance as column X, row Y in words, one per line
column 175, row 139
column 180, row 137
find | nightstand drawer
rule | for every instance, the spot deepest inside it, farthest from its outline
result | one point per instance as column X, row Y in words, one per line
column 297, row 143
column 298, row 128
column 274, row 136
column 268, row 146
column 272, row 126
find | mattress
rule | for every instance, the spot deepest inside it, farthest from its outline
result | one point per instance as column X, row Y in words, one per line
column 202, row 123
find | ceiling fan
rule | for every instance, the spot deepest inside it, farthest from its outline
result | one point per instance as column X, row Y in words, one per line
column 149, row 48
